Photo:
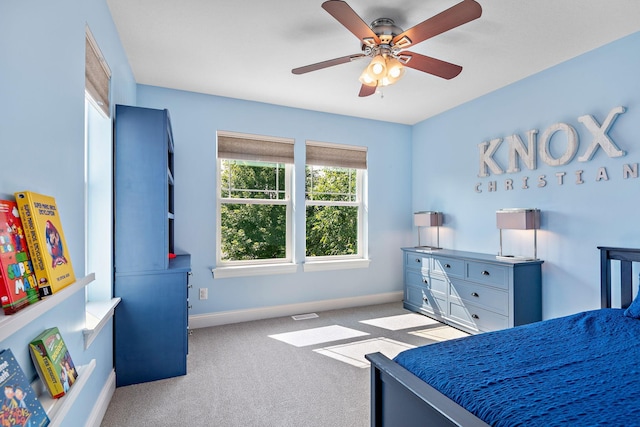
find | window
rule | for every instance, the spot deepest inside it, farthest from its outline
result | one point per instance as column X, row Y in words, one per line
column 335, row 202
column 254, row 200
column 97, row 191
column 98, row 173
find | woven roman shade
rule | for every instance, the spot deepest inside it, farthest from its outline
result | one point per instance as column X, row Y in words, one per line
column 242, row 147
column 323, row 154
column 97, row 75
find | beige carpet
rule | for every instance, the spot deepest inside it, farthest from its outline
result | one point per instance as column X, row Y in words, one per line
column 278, row 372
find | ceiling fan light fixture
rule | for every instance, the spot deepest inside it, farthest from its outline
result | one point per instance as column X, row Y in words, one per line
column 395, row 69
column 367, row 79
column 378, row 66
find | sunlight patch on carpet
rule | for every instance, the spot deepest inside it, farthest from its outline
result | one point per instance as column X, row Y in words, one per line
column 442, row 333
column 402, row 321
column 353, row 353
column 318, row 335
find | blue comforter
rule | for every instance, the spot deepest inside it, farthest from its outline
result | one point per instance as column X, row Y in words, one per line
column 579, row 370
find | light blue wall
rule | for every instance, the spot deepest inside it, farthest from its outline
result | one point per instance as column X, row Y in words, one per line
column 195, row 120
column 41, row 132
column 42, row 45
column 576, row 218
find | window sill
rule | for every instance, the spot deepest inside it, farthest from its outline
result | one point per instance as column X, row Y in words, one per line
column 253, row 270
column 335, row 265
column 97, row 315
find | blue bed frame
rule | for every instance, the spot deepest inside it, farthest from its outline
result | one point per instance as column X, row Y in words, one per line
column 399, row 398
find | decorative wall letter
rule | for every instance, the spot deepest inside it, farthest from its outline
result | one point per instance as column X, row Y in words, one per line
column 630, row 171
column 517, row 150
column 487, row 149
column 508, row 184
column 602, row 174
column 600, row 137
column 572, row 144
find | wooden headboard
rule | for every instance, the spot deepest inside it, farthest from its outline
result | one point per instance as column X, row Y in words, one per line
column 626, row 258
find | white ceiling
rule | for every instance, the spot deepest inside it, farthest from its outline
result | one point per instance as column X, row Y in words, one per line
column 246, row 49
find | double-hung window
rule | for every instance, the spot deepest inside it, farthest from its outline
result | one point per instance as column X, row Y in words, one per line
column 254, row 224
column 335, row 202
column 98, row 189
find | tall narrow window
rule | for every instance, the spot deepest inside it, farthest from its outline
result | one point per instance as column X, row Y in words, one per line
column 335, row 213
column 98, row 173
column 254, row 199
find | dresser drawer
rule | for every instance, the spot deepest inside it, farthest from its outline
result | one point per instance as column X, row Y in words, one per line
column 493, row 299
column 439, row 285
column 417, row 261
column 425, row 300
column 490, row 274
column 448, row 266
column 416, row 278
column 477, row 317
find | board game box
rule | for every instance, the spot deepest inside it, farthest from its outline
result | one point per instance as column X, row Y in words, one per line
column 53, row 362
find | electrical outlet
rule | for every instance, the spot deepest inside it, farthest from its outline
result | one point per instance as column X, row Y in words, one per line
column 204, row 293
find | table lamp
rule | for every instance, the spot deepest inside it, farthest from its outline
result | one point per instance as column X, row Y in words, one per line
column 428, row 219
column 519, row 219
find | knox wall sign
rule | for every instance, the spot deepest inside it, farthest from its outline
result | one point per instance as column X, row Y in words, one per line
column 542, row 150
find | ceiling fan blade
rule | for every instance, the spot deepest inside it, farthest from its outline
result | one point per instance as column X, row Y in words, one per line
column 328, row 63
column 350, row 19
column 367, row 90
column 430, row 65
column 463, row 12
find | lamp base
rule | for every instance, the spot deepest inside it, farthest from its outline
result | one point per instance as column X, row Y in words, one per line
column 429, row 248
column 515, row 258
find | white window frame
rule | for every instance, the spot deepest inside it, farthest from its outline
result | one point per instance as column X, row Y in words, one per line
column 360, row 259
column 233, row 268
column 98, row 180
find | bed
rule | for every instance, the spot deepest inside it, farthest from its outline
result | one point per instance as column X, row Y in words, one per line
column 582, row 369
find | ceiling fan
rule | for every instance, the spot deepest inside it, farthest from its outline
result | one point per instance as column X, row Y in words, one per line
column 385, row 43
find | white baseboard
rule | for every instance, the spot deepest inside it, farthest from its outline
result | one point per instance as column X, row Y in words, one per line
column 101, row 405
column 237, row 316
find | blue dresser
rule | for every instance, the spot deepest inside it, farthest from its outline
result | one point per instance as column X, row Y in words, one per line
column 151, row 321
column 472, row 291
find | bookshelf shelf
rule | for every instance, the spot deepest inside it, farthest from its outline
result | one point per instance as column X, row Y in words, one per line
column 57, row 408
column 13, row 323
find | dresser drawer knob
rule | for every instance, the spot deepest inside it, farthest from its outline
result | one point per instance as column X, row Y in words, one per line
column 418, row 260
column 485, row 273
column 426, row 300
column 475, row 316
column 475, row 294
column 447, row 266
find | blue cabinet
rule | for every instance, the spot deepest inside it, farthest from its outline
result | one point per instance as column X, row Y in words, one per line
column 151, row 321
column 472, row 291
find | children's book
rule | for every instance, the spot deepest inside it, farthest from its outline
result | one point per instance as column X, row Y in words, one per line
column 53, row 362
column 46, row 242
column 18, row 286
column 20, row 405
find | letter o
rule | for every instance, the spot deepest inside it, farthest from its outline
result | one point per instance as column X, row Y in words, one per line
column 572, row 144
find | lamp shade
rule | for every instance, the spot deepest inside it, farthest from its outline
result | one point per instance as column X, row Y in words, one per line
column 427, row 219
column 368, row 79
column 378, row 67
column 518, row 219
